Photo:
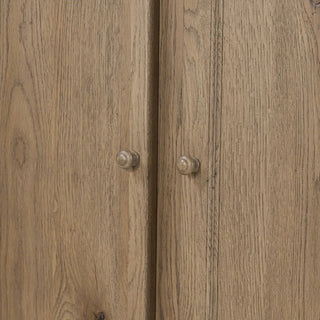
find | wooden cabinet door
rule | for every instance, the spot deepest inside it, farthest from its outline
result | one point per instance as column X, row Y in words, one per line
column 239, row 90
column 77, row 232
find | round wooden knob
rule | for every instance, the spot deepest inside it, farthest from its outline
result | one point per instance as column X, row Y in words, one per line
column 188, row 165
column 127, row 159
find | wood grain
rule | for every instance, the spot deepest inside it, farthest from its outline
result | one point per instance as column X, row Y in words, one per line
column 77, row 233
column 269, row 199
column 239, row 90
column 186, row 225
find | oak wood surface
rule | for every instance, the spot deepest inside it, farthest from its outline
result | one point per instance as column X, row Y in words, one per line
column 78, row 83
column 186, row 224
column 239, row 90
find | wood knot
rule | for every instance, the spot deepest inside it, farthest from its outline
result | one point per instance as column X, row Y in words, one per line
column 99, row 316
column 315, row 3
column 19, row 151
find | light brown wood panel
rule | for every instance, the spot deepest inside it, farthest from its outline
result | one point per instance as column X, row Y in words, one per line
column 269, row 259
column 189, row 30
column 239, row 90
column 77, row 233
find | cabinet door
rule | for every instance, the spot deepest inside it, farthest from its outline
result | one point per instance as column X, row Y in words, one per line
column 77, row 232
column 239, row 90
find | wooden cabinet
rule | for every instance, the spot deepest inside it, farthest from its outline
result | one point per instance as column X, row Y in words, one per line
column 233, row 84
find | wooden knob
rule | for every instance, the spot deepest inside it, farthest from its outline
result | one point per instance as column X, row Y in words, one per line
column 127, row 159
column 188, row 165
